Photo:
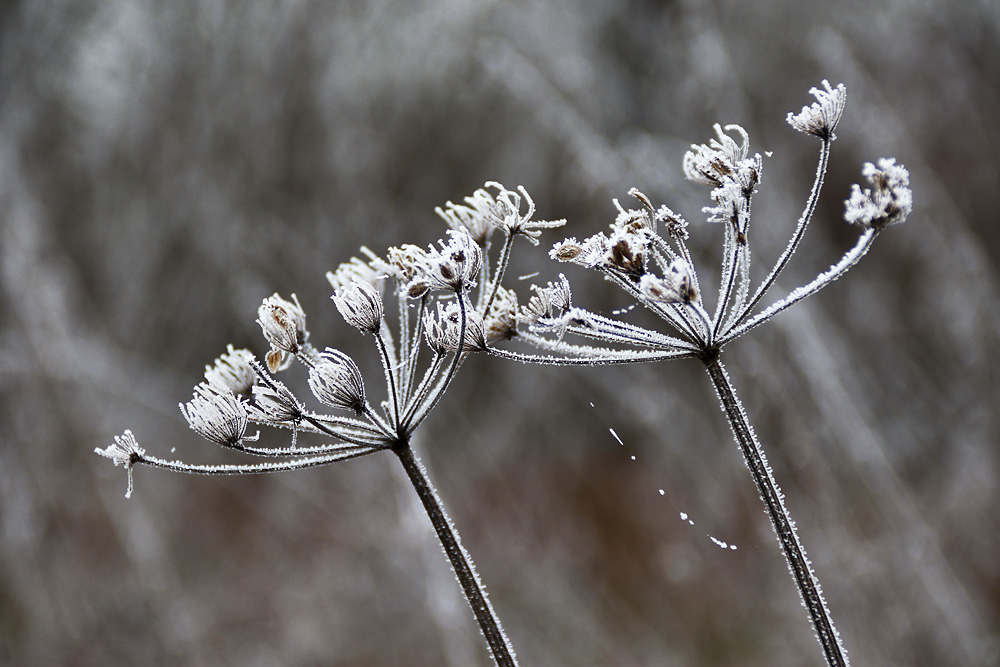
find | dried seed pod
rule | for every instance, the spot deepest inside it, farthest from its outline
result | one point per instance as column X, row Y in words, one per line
column 336, row 381
column 361, row 305
column 219, row 418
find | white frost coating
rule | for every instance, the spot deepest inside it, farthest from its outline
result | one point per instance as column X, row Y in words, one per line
column 124, row 452
column 849, row 259
column 635, row 254
column 722, row 544
column 232, row 372
column 821, row 117
column 888, row 202
column 360, row 304
column 219, row 418
column 784, row 527
column 631, row 256
column 240, row 390
column 336, row 381
column 283, row 324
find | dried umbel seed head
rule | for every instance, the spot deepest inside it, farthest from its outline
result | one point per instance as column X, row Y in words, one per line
column 406, row 261
column 821, row 117
column 219, row 418
column 232, row 372
column 628, row 253
column 124, row 452
column 501, row 322
column 443, row 329
column 504, row 211
column 713, row 163
column 361, row 305
column 676, row 226
column 632, row 220
column 723, row 161
column 336, row 381
column 459, row 262
column 276, row 403
column 676, row 286
column 474, row 220
column 434, row 332
column 373, row 272
column 590, row 253
column 454, row 266
column 284, row 327
column 549, row 302
column 888, row 202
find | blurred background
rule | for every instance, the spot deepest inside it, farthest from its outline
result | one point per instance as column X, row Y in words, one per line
column 164, row 166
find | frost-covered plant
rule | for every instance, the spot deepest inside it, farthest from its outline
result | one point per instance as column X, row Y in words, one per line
column 447, row 297
column 646, row 254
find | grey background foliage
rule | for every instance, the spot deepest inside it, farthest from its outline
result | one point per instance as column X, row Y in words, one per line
column 164, row 166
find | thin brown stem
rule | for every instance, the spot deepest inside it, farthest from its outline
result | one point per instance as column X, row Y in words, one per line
column 781, row 521
column 461, row 562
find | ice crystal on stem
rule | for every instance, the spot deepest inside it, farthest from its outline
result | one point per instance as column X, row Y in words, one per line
column 656, row 270
column 459, row 305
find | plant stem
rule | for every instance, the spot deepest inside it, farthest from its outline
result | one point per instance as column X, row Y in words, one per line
column 501, row 269
column 781, row 521
column 461, row 562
